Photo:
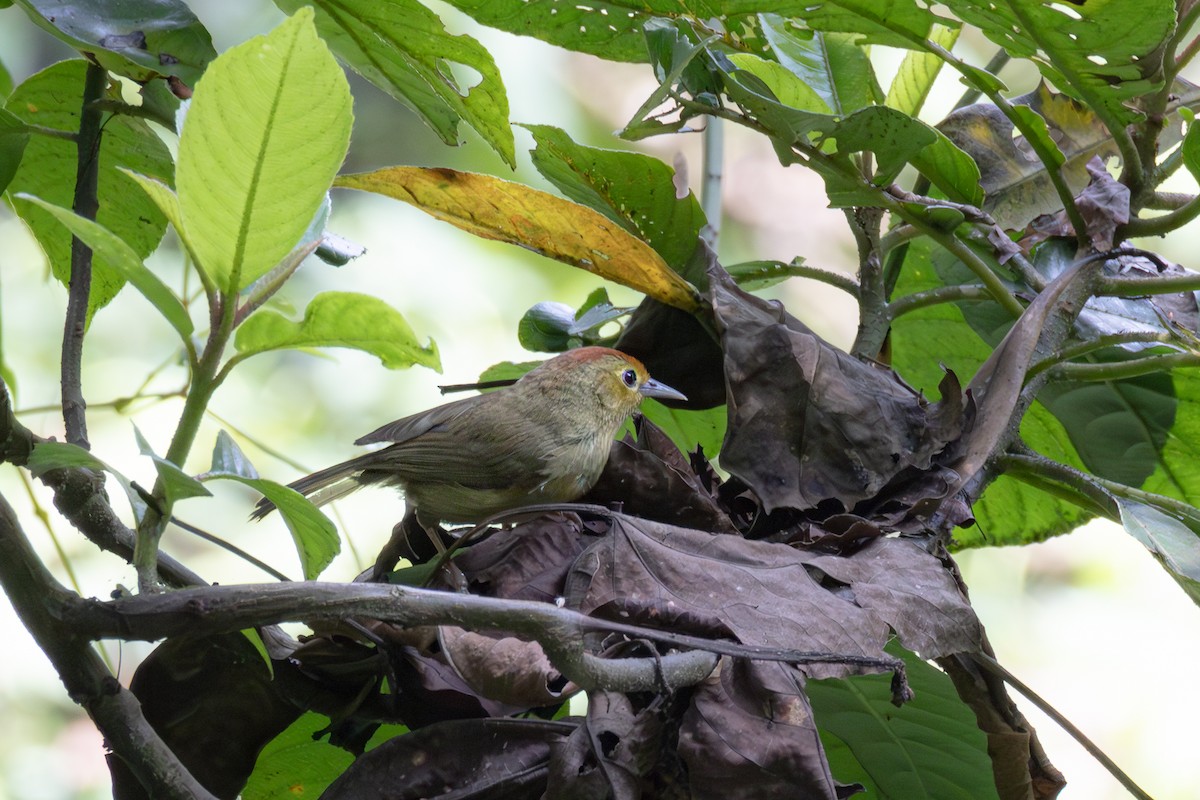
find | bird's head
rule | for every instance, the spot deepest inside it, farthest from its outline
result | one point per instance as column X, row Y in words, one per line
column 617, row 380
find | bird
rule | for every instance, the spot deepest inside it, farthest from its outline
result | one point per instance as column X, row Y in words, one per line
column 543, row 439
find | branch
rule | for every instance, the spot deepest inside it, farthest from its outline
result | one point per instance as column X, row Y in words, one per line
column 1101, row 490
column 872, row 297
column 560, row 631
column 38, row 600
column 933, row 297
column 1120, row 370
column 85, row 204
column 1099, row 343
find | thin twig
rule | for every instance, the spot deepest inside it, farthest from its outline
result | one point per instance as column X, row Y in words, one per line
column 932, row 297
column 85, row 204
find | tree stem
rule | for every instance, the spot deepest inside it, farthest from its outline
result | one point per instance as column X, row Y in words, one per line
column 85, row 204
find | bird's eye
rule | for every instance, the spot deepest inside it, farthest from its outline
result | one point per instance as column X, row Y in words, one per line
column 629, row 377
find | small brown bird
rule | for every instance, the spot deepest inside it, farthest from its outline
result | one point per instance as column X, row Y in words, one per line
column 545, row 439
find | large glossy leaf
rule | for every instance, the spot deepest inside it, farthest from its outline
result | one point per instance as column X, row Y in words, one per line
column 635, row 190
column 140, row 39
column 511, row 212
column 928, row 749
column 52, row 98
column 403, row 48
column 284, row 101
column 124, row 261
column 1104, row 53
column 340, row 319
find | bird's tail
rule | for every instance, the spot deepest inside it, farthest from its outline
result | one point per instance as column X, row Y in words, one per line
column 325, row 486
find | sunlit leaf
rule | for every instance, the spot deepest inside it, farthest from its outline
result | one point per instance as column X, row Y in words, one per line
column 340, row 319
column 284, row 100
column 511, row 212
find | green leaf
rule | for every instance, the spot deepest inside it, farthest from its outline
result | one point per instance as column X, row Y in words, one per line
column 177, row 485
column 1177, row 473
column 928, row 749
column 899, row 23
column 124, row 261
column 294, row 764
column 13, row 139
column 1175, row 543
column 340, row 319
column 611, row 30
column 260, row 647
column 140, row 39
column 635, row 190
column 675, row 52
column 1105, row 54
column 316, row 538
column 893, row 137
column 950, row 169
column 51, row 98
column 228, row 458
column 6, row 81
column 546, row 328
column 917, row 73
column 788, row 88
column 507, row 371
column 165, row 199
column 690, row 428
column 47, row 456
column 403, row 48
column 299, row 764
column 285, row 102
column 1190, row 150
column 838, row 71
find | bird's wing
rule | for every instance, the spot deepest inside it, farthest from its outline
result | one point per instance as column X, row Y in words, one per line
column 402, row 430
column 456, row 443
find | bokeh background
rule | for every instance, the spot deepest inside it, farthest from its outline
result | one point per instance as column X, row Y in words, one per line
column 1088, row 620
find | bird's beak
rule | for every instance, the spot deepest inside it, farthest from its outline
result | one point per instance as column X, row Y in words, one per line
column 652, row 388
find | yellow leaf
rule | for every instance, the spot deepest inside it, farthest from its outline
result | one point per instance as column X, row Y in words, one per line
column 511, row 212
